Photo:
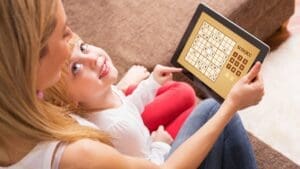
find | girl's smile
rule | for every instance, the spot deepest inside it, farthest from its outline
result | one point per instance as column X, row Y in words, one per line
column 105, row 69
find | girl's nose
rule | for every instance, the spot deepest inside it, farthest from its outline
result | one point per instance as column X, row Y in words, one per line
column 92, row 60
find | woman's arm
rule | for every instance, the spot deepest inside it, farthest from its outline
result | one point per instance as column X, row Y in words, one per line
column 92, row 154
column 196, row 148
column 89, row 154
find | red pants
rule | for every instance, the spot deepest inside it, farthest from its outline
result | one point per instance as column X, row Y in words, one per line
column 173, row 103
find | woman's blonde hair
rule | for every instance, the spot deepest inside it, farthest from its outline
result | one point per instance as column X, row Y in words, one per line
column 25, row 28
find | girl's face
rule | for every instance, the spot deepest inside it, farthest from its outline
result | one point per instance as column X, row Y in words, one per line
column 90, row 73
column 50, row 64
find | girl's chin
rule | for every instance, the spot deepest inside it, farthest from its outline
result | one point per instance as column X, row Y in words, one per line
column 113, row 73
column 111, row 77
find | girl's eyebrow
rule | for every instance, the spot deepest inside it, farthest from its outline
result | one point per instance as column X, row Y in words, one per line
column 73, row 41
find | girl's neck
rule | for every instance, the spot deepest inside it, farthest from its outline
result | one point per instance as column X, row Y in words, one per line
column 107, row 100
column 14, row 149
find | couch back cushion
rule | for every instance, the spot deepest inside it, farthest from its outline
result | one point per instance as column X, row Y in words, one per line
column 147, row 32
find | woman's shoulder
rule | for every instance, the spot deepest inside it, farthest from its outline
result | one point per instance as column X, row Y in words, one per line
column 39, row 157
column 87, row 153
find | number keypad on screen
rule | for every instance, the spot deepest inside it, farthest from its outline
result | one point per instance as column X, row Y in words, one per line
column 236, row 64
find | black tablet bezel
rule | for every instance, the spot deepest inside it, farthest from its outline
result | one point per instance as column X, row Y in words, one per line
column 264, row 49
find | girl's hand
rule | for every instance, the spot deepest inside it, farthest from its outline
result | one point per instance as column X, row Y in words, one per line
column 248, row 91
column 162, row 74
column 161, row 135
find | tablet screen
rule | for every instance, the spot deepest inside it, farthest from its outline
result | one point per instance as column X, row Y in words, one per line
column 218, row 52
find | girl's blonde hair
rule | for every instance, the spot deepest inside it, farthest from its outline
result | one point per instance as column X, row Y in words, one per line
column 24, row 30
column 58, row 94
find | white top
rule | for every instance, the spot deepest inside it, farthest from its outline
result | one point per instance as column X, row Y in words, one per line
column 41, row 156
column 126, row 126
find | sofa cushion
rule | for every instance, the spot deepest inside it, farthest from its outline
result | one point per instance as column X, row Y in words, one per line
column 147, row 32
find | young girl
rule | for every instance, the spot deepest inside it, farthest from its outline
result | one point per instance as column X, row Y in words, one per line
column 87, row 82
column 159, row 110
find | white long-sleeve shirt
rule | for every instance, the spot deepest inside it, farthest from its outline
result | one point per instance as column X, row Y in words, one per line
column 123, row 123
column 126, row 126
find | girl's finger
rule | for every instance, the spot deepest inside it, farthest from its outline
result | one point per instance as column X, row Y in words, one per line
column 161, row 127
column 168, row 70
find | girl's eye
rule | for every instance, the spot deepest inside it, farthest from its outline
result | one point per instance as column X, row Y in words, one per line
column 76, row 68
column 84, row 48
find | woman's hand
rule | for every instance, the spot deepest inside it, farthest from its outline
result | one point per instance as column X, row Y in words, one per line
column 162, row 74
column 248, row 91
column 161, row 135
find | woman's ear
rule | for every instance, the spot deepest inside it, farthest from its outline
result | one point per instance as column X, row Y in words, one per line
column 76, row 104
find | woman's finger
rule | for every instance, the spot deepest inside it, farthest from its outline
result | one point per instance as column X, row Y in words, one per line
column 253, row 72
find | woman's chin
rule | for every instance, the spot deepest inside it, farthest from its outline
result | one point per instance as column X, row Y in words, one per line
column 57, row 78
column 46, row 83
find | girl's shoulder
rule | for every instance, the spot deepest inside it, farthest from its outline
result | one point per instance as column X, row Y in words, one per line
column 82, row 121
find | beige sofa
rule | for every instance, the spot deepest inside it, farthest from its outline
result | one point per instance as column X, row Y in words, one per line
column 147, row 32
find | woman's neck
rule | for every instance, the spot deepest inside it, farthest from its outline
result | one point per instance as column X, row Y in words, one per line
column 14, row 149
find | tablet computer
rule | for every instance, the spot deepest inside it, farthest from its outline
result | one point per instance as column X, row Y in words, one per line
column 215, row 52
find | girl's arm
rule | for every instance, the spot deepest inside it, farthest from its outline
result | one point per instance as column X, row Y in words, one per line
column 133, row 77
column 146, row 90
column 92, row 154
column 129, row 140
column 144, row 93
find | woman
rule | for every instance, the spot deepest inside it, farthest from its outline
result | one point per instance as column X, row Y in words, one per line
column 33, row 49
